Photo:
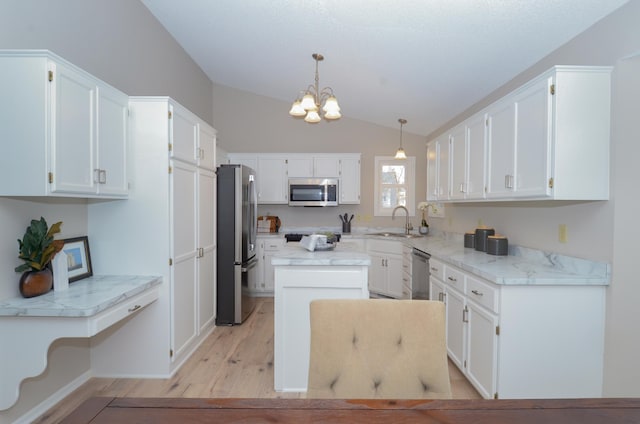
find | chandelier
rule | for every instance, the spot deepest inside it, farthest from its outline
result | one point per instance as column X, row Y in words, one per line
column 400, row 154
column 314, row 100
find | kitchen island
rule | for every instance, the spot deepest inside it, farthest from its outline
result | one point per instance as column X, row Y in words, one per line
column 300, row 277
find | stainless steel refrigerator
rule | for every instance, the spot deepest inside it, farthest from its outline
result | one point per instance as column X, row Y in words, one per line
column 236, row 227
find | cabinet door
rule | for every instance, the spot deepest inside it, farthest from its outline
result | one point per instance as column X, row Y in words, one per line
column 436, row 290
column 349, row 180
column 533, row 140
column 500, row 180
column 259, row 282
column 326, row 167
column 393, row 264
column 455, row 327
column 458, row 153
column 300, row 167
column 183, row 183
column 250, row 160
column 206, row 146
column 377, row 274
column 442, row 189
column 432, row 171
column 482, row 347
column 206, row 243
column 272, row 181
column 113, row 115
column 476, row 157
column 73, row 114
column 185, row 132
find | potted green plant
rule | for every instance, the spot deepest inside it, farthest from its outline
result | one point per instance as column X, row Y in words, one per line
column 37, row 249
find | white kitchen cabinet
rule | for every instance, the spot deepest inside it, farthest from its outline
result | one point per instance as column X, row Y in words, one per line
column 69, row 129
column 438, row 169
column 272, row 180
column 250, row 160
column 274, row 170
column 549, row 139
column 166, row 227
column 476, row 157
column 206, row 248
column 300, row 167
column 193, row 140
column 271, row 175
column 349, row 184
column 183, row 184
column 458, row 156
column 267, row 248
column 326, row 166
column 386, row 273
column 499, row 335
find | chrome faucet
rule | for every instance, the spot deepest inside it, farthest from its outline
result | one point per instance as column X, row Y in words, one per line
column 407, row 226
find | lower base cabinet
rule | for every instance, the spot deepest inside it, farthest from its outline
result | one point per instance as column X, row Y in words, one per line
column 386, row 276
column 522, row 341
column 267, row 248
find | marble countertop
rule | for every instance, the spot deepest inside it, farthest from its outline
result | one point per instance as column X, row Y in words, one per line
column 523, row 266
column 344, row 254
column 84, row 298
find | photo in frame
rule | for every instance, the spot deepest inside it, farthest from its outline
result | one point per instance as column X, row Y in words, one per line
column 78, row 258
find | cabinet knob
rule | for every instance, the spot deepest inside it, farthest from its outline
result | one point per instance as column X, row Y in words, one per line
column 477, row 293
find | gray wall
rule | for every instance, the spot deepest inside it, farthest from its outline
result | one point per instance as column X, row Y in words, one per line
column 120, row 42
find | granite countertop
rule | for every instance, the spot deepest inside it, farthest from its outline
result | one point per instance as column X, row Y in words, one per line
column 84, row 298
column 523, row 266
column 344, row 254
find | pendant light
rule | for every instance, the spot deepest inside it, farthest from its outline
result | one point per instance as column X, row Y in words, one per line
column 400, row 154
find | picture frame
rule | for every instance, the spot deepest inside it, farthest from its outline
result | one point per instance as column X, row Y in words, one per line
column 78, row 258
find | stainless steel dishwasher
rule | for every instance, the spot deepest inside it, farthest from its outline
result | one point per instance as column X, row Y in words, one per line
column 420, row 274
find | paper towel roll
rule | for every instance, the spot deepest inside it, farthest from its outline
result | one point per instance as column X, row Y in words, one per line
column 60, row 272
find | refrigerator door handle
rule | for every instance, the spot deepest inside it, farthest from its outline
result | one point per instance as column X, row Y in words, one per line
column 253, row 220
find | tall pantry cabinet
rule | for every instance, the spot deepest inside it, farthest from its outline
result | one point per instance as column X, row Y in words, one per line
column 167, row 226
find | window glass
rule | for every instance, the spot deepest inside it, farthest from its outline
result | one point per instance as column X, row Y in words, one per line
column 394, row 184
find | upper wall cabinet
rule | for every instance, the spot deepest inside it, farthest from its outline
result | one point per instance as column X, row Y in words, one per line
column 274, row 169
column 66, row 130
column 549, row 139
column 193, row 140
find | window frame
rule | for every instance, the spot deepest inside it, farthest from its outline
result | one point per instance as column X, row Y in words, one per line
column 409, row 185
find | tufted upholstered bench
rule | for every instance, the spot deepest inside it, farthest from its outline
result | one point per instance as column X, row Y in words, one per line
column 378, row 348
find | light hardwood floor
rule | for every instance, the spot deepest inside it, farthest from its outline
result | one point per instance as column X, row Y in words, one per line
column 232, row 362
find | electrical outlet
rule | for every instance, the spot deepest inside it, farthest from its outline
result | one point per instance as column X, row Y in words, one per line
column 436, row 210
column 562, row 233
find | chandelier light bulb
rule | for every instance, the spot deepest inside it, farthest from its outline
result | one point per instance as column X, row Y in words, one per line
column 312, row 116
column 297, row 109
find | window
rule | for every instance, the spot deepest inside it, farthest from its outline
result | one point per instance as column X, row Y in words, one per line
column 394, row 185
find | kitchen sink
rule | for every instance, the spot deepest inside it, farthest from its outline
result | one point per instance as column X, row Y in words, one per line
column 397, row 235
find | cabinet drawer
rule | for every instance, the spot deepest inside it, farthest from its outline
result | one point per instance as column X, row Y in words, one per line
column 436, row 268
column 483, row 293
column 454, row 278
column 112, row 315
column 273, row 244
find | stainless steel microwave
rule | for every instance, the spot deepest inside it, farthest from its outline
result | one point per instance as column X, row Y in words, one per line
column 313, row 192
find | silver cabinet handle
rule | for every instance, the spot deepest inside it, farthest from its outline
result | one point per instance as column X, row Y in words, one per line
column 433, row 268
column 135, row 308
column 452, row 279
column 441, row 296
column 477, row 293
column 465, row 314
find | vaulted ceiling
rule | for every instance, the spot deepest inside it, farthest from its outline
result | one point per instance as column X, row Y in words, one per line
column 423, row 60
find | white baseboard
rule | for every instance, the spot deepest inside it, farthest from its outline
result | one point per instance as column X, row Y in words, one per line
column 52, row 400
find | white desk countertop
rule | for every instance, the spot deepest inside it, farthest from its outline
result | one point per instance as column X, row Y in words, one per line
column 84, row 298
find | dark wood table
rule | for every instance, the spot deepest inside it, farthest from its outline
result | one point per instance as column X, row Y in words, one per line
column 185, row 410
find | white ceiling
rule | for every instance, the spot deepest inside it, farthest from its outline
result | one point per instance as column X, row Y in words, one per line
column 423, row 60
